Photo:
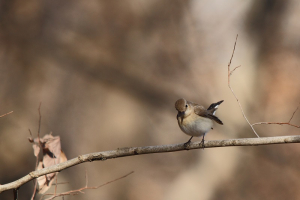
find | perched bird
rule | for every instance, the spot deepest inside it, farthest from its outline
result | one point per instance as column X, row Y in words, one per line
column 195, row 120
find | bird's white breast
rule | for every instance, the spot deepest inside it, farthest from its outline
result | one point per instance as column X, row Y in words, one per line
column 196, row 125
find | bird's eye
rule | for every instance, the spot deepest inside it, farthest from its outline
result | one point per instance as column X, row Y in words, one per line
column 186, row 105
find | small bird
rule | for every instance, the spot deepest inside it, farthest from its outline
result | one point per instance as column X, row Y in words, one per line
column 195, row 120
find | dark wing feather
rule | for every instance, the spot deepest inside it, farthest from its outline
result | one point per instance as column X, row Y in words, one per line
column 215, row 118
column 201, row 111
column 213, row 105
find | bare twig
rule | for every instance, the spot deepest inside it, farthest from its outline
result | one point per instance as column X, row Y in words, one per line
column 16, row 193
column 280, row 123
column 86, row 179
column 6, row 114
column 36, row 165
column 40, row 120
column 293, row 114
column 30, row 134
column 230, row 72
column 80, row 190
column 40, row 144
column 55, row 188
column 61, row 183
column 131, row 151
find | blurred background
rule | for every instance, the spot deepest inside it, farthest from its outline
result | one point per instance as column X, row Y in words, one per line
column 109, row 72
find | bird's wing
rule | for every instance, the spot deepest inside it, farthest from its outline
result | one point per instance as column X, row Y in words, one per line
column 201, row 111
column 213, row 107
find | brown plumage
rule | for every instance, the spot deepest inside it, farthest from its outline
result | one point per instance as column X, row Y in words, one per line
column 195, row 120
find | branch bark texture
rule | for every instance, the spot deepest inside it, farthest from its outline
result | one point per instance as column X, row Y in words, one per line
column 131, row 151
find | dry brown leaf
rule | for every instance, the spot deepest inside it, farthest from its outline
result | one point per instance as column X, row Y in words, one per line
column 63, row 157
column 51, row 150
column 44, row 182
column 36, row 149
column 52, row 155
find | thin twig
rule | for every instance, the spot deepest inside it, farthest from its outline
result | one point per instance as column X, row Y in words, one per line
column 293, row 114
column 30, row 134
column 280, row 123
column 40, row 120
column 40, row 144
column 55, row 187
column 80, row 190
column 36, row 165
column 234, row 69
column 232, row 57
column 6, row 114
column 132, row 151
column 229, row 74
column 86, row 179
column 16, row 193
column 61, row 183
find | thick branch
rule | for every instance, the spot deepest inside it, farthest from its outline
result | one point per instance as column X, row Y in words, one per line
column 131, row 151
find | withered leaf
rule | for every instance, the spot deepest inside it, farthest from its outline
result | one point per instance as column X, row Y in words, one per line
column 52, row 155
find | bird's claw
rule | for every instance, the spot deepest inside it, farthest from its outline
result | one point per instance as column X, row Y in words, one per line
column 202, row 144
column 187, row 144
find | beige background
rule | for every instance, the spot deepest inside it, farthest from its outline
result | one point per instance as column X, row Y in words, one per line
column 109, row 72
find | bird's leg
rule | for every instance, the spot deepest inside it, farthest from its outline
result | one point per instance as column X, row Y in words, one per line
column 202, row 142
column 188, row 142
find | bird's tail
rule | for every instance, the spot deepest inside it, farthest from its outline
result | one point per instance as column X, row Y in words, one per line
column 212, row 110
column 213, row 107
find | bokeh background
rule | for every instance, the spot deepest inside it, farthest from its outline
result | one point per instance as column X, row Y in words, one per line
column 109, row 72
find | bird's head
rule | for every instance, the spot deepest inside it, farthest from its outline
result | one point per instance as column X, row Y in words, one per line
column 181, row 105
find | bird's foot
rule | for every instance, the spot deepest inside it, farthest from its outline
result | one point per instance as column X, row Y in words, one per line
column 202, row 144
column 187, row 144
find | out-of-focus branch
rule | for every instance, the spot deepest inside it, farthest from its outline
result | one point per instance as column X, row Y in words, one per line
column 230, row 72
column 280, row 123
column 6, row 114
column 40, row 145
column 80, row 190
column 131, row 151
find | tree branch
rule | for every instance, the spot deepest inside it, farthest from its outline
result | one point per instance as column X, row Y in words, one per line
column 280, row 123
column 40, row 145
column 230, row 72
column 131, row 151
column 79, row 191
column 6, row 114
